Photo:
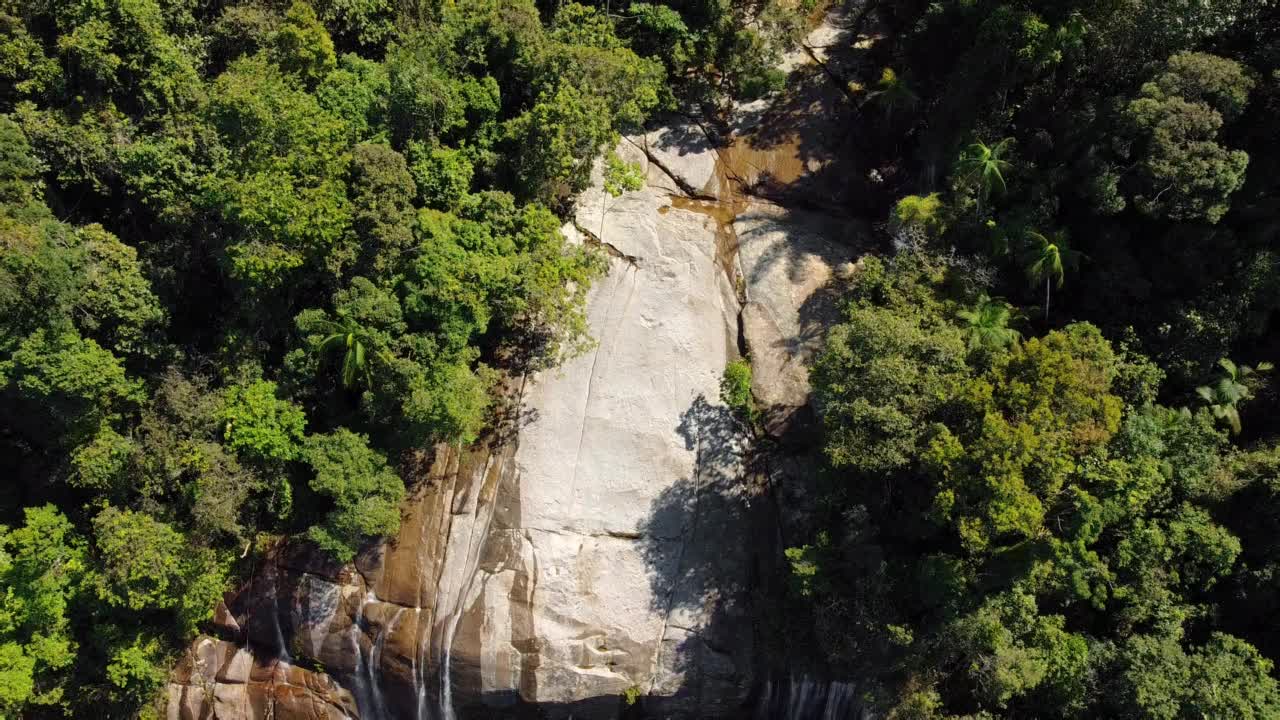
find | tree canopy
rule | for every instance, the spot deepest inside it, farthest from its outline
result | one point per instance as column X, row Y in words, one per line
column 1073, row 517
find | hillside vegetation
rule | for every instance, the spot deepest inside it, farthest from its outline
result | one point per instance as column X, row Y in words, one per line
column 1050, row 438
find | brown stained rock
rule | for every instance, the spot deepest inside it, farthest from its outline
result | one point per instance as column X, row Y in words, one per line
column 410, row 562
column 217, row 679
column 380, row 610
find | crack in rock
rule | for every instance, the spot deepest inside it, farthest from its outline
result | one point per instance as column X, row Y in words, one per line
column 609, row 248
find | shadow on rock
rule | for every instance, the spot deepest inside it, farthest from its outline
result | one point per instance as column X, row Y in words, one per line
column 703, row 542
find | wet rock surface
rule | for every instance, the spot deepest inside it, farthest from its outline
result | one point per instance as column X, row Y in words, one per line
column 618, row 542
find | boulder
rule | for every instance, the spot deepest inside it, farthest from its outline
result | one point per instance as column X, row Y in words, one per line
column 795, row 265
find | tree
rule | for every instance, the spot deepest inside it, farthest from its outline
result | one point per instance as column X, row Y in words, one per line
column 42, row 564
column 735, row 390
column 443, row 176
column 1235, row 384
column 1048, row 260
column 365, row 492
column 259, row 425
column 1185, row 173
column 282, row 191
column 987, row 324
column 1225, row 678
column 894, row 94
column 19, row 168
column 140, row 559
column 382, row 192
column 69, row 383
column 303, row 46
column 137, row 669
column 887, row 368
column 550, row 141
column 353, row 343
column 986, row 165
column 916, row 218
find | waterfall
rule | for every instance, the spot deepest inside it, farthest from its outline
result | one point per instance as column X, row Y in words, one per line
column 480, row 515
column 418, row 669
column 360, row 686
column 446, row 683
column 372, row 667
column 808, row 698
column 282, row 647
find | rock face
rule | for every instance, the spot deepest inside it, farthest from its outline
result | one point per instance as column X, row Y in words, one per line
column 794, row 264
column 617, row 543
column 222, row 680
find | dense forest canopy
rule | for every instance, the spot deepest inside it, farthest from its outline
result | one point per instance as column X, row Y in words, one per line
column 253, row 255
column 1049, row 431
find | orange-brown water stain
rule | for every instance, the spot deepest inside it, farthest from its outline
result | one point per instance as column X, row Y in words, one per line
column 742, row 166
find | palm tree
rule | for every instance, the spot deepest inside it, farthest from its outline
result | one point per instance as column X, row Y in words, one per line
column 894, row 93
column 1048, row 260
column 354, row 343
column 1232, row 388
column 986, row 165
column 987, row 324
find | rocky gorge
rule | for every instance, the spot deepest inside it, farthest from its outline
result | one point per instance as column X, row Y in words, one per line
column 616, row 551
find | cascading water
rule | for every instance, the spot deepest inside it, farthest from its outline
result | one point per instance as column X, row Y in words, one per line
column 375, row 660
column 480, row 516
column 360, row 684
column 418, row 672
column 807, row 698
column 282, row 648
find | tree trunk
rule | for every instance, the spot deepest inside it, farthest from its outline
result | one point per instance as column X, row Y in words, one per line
column 1046, row 298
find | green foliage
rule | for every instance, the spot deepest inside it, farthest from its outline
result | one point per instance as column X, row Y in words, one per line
column 553, row 139
column 887, row 367
column 987, row 324
column 1235, row 384
column 84, row 278
column 100, row 463
column 1224, row 678
column 141, row 560
column 222, row 224
column 382, row 192
column 894, row 94
column 735, row 390
column 1047, row 540
column 303, row 46
column 1185, row 173
column 260, row 426
column 442, row 176
column 19, row 168
column 357, row 93
column 69, row 383
column 985, row 166
column 41, row 566
column 1087, row 521
column 1048, row 260
column 924, row 213
column 364, row 490
column 281, row 191
column 621, row 176
column 1014, row 649
column 138, row 670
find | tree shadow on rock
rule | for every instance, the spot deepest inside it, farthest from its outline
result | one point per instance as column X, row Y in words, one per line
column 703, row 542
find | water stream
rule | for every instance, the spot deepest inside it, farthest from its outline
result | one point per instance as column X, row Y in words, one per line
column 807, row 698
